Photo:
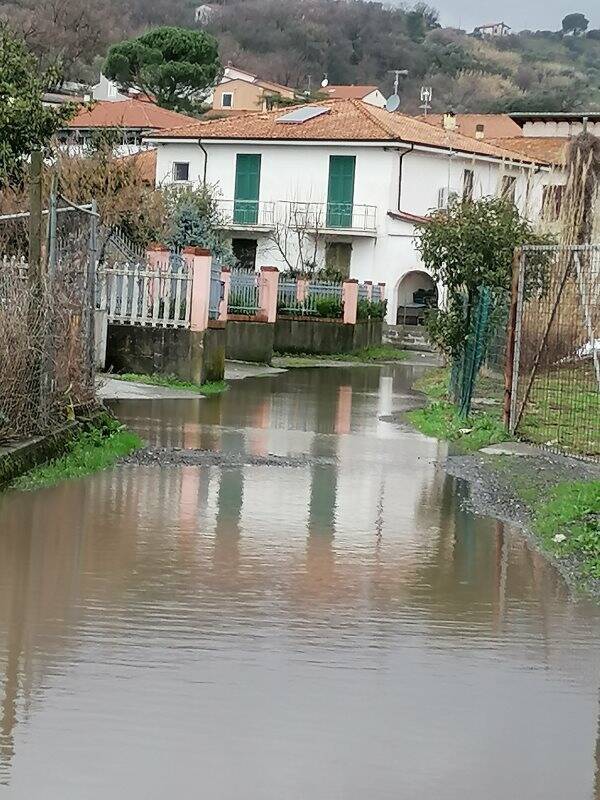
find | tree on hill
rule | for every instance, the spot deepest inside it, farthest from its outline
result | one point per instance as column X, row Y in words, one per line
column 25, row 123
column 575, row 23
column 173, row 64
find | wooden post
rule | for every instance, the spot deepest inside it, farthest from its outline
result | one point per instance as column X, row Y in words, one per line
column 35, row 219
column 510, row 338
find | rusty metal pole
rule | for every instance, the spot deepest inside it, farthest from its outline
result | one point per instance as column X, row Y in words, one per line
column 510, row 338
column 35, row 220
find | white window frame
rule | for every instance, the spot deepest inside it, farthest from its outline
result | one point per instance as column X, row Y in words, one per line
column 174, row 172
column 223, row 96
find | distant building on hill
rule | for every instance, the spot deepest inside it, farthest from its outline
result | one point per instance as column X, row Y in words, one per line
column 368, row 94
column 492, row 29
column 563, row 124
column 241, row 91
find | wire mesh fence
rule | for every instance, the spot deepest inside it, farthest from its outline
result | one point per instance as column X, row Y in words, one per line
column 46, row 324
column 555, row 397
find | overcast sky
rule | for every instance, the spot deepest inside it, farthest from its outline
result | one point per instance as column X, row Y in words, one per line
column 519, row 14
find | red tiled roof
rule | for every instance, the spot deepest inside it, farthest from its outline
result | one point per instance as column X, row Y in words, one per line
column 494, row 125
column 348, row 92
column 548, row 148
column 127, row 114
column 344, row 120
column 145, row 162
column 406, row 216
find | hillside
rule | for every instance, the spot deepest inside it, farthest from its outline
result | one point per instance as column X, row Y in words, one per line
column 350, row 41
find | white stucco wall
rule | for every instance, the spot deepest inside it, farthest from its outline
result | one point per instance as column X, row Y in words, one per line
column 560, row 129
column 300, row 172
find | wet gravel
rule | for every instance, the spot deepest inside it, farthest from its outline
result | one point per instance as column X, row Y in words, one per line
column 494, row 480
column 175, row 456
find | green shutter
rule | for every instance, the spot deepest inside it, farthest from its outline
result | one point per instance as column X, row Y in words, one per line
column 247, row 188
column 340, row 196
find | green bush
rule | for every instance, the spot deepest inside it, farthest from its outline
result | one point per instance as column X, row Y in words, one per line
column 371, row 309
column 329, row 307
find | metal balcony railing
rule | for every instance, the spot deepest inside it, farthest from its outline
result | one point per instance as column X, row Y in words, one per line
column 247, row 213
column 323, row 216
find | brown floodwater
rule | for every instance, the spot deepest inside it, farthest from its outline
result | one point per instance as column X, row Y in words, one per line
column 338, row 629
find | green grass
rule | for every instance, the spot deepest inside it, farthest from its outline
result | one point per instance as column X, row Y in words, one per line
column 378, row 354
column 91, row 452
column 170, row 381
column 441, row 420
column 572, row 510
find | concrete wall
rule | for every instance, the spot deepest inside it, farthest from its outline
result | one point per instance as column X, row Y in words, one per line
column 195, row 356
column 250, row 341
column 561, row 129
column 320, row 337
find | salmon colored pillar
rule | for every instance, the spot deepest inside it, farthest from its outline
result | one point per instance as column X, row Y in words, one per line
column 301, row 289
column 382, row 290
column 226, row 281
column 267, row 297
column 350, row 300
column 157, row 255
column 199, row 261
column 369, row 285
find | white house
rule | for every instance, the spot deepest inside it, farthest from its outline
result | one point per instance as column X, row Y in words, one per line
column 342, row 183
column 492, row 29
column 368, row 94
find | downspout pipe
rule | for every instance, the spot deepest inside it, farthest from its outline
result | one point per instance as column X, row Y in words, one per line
column 201, row 146
column 401, row 160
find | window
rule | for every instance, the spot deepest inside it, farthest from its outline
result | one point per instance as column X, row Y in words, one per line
column 340, row 196
column 247, row 189
column 552, row 197
column 244, row 251
column 508, row 188
column 227, row 100
column 468, row 185
column 181, row 171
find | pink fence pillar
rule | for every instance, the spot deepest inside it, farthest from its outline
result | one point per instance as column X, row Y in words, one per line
column 199, row 261
column 382, row 290
column 267, row 292
column 157, row 255
column 350, row 300
column 369, row 285
column 301, row 289
column 226, row 281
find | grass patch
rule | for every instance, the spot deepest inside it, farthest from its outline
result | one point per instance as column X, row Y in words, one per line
column 441, row 420
column 91, row 452
column 170, row 381
column 378, row 354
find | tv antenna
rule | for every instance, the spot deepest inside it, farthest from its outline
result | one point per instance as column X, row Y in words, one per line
column 393, row 101
column 426, row 95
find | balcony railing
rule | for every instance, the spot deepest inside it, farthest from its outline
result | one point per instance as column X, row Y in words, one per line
column 327, row 216
column 247, row 213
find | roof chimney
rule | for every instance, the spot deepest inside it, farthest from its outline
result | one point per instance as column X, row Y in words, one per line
column 450, row 121
column 479, row 130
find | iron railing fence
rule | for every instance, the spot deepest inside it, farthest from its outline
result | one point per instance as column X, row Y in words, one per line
column 243, row 293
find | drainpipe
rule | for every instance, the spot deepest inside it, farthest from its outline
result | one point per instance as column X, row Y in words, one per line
column 201, row 146
column 401, row 159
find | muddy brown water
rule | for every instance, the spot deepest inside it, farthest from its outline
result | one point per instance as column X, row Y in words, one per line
column 336, row 629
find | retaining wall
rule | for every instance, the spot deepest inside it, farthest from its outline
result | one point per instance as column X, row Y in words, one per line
column 323, row 336
column 195, row 356
column 248, row 340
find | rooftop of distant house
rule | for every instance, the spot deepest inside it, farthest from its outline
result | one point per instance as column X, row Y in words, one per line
column 255, row 79
column 350, row 92
column 552, row 149
column 487, row 126
column 336, row 120
column 521, row 117
column 132, row 114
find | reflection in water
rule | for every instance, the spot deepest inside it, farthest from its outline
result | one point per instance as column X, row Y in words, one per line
column 339, row 629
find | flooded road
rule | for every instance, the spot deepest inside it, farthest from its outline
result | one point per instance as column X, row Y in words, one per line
column 335, row 629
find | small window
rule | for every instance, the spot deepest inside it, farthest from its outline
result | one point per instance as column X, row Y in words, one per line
column 227, row 100
column 468, row 185
column 508, row 188
column 181, row 171
column 552, row 197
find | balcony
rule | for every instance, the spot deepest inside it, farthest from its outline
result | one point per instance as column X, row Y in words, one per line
column 332, row 217
column 256, row 215
column 323, row 218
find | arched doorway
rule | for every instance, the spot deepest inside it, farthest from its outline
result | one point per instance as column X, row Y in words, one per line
column 416, row 293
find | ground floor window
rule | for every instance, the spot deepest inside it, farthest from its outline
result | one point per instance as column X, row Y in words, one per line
column 417, row 293
column 338, row 256
column 244, row 251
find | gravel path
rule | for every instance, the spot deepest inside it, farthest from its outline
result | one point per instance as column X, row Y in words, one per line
column 168, row 457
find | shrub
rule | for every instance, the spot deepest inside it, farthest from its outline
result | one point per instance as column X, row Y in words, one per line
column 329, row 307
column 371, row 309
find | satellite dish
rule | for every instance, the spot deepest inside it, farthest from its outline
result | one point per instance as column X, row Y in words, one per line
column 325, row 82
column 392, row 103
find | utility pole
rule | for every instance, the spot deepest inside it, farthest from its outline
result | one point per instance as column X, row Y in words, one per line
column 397, row 73
column 35, row 219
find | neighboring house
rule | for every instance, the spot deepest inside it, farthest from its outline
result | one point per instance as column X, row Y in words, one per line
column 125, row 122
column 107, row 89
column 492, row 29
column 240, row 91
column 348, row 181
column 480, row 126
column 57, row 99
column 368, row 94
column 557, row 125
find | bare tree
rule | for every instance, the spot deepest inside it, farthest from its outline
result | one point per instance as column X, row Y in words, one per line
column 297, row 237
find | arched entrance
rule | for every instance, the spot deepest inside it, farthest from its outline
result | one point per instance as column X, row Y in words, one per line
column 416, row 293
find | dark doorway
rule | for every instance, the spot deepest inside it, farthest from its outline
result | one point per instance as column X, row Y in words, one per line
column 244, row 251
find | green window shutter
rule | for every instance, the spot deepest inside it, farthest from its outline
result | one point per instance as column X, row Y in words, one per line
column 340, row 197
column 247, row 189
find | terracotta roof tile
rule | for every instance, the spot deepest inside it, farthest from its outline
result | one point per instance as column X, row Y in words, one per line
column 547, row 148
column 348, row 92
column 127, row 114
column 344, row 120
column 494, row 125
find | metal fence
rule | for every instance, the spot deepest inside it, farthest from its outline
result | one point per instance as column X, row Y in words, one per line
column 303, row 298
column 243, row 293
column 555, row 395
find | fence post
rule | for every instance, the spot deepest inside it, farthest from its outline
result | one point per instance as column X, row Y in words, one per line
column 156, row 255
column 226, row 280
column 350, row 300
column 267, row 292
column 510, row 340
column 369, row 285
column 301, row 289
column 35, row 219
column 200, row 261
column 382, row 291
